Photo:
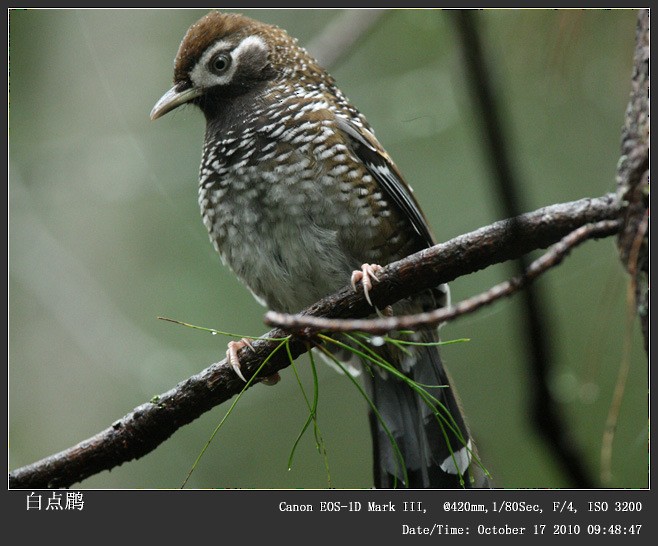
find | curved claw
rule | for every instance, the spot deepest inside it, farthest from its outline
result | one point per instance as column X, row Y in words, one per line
column 234, row 361
column 232, row 355
column 366, row 275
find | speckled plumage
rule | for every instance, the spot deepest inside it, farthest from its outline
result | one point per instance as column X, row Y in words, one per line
column 296, row 193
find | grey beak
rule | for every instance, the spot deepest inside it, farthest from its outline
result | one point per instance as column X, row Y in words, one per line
column 173, row 99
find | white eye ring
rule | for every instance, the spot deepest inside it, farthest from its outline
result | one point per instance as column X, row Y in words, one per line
column 219, row 64
column 208, row 73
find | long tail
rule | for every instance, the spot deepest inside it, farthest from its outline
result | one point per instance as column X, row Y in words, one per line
column 432, row 446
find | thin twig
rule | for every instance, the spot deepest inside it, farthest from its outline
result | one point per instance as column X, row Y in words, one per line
column 624, row 368
column 295, row 323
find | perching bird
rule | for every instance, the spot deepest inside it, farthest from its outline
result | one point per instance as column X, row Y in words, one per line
column 299, row 197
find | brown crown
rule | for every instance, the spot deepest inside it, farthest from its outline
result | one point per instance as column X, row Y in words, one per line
column 285, row 55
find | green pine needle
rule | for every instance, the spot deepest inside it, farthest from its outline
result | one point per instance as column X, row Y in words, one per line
column 360, row 344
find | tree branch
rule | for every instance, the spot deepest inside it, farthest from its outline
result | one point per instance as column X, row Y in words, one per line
column 297, row 322
column 150, row 424
column 633, row 177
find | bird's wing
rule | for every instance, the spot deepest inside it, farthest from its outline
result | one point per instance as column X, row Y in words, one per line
column 381, row 167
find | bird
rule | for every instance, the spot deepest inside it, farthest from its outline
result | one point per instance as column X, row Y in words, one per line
column 299, row 198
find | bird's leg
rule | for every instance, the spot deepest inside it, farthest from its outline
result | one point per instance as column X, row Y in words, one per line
column 234, row 361
column 366, row 275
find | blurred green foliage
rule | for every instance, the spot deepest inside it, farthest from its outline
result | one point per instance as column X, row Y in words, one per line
column 105, row 236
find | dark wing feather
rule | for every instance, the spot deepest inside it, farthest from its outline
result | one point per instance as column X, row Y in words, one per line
column 380, row 166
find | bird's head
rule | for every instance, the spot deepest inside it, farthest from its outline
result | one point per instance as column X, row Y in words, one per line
column 227, row 55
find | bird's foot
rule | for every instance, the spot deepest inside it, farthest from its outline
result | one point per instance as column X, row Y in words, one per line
column 234, row 361
column 367, row 274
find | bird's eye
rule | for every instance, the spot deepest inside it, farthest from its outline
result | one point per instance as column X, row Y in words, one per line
column 220, row 63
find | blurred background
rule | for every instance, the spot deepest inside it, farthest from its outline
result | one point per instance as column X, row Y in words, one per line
column 105, row 235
